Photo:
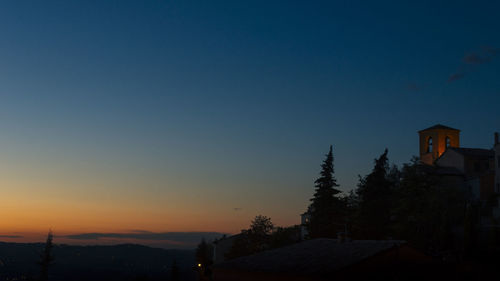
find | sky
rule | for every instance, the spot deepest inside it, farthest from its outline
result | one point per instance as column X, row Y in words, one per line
column 156, row 120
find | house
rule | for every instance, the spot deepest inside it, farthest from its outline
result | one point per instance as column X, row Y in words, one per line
column 329, row 259
column 222, row 246
column 476, row 167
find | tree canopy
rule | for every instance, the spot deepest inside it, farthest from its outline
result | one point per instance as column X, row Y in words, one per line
column 375, row 194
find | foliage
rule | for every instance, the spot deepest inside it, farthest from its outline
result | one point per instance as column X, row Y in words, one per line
column 375, row 194
column 327, row 210
column 262, row 235
column 261, row 227
column 204, row 253
column 427, row 209
column 204, row 259
column 284, row 236
column 253, row 240
column 412, row 204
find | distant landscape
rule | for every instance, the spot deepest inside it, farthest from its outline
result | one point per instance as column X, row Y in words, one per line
column 118, row 262
column 257, row 140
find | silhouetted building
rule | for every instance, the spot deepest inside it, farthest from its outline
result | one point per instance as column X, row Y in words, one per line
column 327, row 259
column 222, row 246
column 304, row 220
column 474, row 169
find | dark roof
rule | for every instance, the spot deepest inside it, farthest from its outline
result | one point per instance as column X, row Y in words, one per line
column 475, row 152
column 318, row 256
column 227, row 238
column 439, row 127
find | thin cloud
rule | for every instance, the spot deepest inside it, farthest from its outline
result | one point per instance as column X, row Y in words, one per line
column 11, row 236
column 177, row 237
column 491, row 50
column 455, row 76
column 485, row 55
column 475, row 59
column 140, row 231
column 413, row 87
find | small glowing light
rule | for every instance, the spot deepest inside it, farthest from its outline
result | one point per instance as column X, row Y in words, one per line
column 199, row 265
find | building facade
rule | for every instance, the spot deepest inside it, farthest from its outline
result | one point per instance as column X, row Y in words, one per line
column 476, row 170
column 435, row 140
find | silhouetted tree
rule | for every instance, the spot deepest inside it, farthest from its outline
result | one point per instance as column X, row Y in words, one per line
column 46, row 258
column 351, row 205
column 375, row 194
column 283, row 236
column 204, row 253
column 427, row 209
column 260, row 232
column 204, row 259
column 253, row 240
column 327, row 210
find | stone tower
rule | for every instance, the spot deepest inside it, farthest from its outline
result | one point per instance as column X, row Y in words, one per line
column 435, row 140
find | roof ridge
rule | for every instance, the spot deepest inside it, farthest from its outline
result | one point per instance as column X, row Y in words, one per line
column 439, row 127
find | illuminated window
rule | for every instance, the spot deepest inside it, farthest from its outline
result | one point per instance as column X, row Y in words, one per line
column 429, row 145
column 448, row 142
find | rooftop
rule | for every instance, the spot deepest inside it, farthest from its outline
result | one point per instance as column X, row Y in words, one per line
column 317, row 256
column 475, row 152
column 439, row 127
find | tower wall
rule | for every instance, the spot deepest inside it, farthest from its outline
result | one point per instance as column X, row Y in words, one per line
column 439, row 138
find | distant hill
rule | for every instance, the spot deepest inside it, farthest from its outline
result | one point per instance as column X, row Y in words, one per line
column 78, row 263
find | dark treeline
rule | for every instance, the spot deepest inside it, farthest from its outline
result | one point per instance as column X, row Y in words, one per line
column 261, row 235
column 411, row 203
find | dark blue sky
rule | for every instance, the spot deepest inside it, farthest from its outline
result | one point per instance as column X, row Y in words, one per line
column 227, row 102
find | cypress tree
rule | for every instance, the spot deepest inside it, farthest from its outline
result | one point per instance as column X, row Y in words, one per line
column 46, row 258
column 326, row 209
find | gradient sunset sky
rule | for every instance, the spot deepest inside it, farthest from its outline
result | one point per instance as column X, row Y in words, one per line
column 151, row 117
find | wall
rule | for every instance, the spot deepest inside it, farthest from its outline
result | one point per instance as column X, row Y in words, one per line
column 438, row 143
column 222, row 246
column 452, row 159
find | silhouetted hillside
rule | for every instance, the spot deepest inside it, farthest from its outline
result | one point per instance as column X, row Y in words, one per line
column 120, row 262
